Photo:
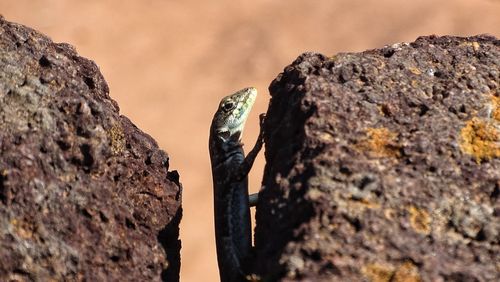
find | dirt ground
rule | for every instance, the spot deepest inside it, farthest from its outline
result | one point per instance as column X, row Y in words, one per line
column 169, row 62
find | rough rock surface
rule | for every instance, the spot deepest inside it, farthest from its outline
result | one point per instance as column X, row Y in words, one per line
column 384, row 165
column 84, row 194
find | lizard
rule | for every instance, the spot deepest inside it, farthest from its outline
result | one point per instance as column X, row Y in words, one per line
column 230, row 167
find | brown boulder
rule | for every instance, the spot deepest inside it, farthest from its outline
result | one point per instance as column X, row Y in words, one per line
column 384, row 165
column 84, row 194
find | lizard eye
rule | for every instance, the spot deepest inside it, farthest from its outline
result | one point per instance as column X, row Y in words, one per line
column 227, row 106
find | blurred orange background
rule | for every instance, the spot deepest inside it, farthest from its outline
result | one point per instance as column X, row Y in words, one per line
column 168, row 63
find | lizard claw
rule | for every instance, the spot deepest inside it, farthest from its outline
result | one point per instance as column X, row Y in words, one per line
column 262, row 119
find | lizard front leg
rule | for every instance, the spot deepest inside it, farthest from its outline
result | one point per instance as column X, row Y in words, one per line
column 253, row 199
column 247, row 164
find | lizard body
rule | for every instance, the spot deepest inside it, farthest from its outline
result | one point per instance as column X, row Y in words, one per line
column 230, row 168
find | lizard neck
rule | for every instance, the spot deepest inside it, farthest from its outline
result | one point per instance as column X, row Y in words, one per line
column 222, row 148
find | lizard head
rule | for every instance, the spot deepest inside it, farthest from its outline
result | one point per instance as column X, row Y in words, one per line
column 230, row 118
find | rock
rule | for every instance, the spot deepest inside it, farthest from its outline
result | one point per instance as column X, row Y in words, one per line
column 384, row 165
column 84, row 194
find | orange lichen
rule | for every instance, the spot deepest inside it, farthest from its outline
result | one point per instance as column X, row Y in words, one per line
column 415, row 70
column 495, row 100
column 23, row 229
column 481, row 139
column 474, row 44
column 407, row 272
column 363, row 204
column 381, row 142
column 420, row 220
column 378, row 273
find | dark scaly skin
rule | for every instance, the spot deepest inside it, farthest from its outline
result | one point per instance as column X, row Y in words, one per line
column 229, row 172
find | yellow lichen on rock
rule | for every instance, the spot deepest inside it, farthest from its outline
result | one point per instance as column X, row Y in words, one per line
column 117, row 139
column 475, row 45
column 407, row 272
column 23, row 229
column 362, row 204
column 420, row 220
column 415, row 70
column 381, row 142
column 377, row 272
column 495, row 100
column 481, row 139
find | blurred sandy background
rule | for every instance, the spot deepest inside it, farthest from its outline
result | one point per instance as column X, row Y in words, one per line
column 169, row 62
